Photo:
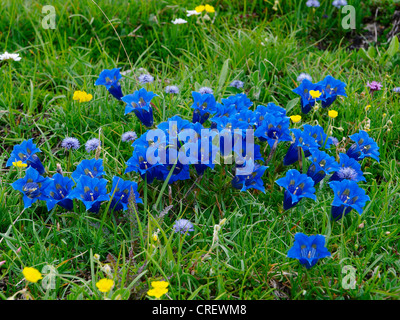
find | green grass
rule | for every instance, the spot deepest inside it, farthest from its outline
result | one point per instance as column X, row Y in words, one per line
column 249, row 261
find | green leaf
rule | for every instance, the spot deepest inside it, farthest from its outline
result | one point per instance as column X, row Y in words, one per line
column 393, row 47
column 223, row 75
column 290, row 105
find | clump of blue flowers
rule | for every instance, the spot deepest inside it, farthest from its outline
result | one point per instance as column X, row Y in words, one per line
column 308, row 249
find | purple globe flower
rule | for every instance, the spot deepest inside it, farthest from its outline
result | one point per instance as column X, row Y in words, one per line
column 171, row 89
column 129, row 136
column 313, row 3
column 146, row 78
column 70, row 143
column 397, row 90
column 92, row 144
column 339, row 3
column 183, row 226
column 303, row 76
column 237, row 84
column 374, row 86
column 204, row 90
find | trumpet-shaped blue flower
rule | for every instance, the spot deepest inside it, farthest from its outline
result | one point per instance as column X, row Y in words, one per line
column 204, row 105
column 57, row 192
column 26, row 152
column 92, row 168
column 246, row 116
column 249, row 176
column 32, row 186
column 311, row 137
column 110, row 79
column 240, row 101
column 224, row 111
column 349, row 169
column 321, row 165
column 331, row 89
column 139, row 103
column 297, row 186
column 146, row 160
column 120, row 193
column 308, row 249
column 303, row 90
column 91, row 191
column 363, row 147
column 274, row 128
column 348, row 196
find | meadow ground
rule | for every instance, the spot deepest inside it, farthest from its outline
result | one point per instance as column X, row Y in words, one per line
column 249, row 40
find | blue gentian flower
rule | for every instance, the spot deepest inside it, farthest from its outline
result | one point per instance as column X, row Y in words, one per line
column 91, row 191
column 245, row 179
column 110, row 79
column 237, row 84
column 274, row 128
column 223, row 111
column 26, row 152
column 270, row 109
column 363, row 147
column 146, row 161
column 348, row 196
column 120, row 193
column 204, row 105
column 227, row 127
column 321, row 165
column 303, row 90
column 92, row 168
column 240, row 101
column 297, row 186
column 92, row 144
column 183, row 226
column 172, row 89
column 139, row 103
column 303, row 76
column 308, row 249
column 247, row 116
column 206, row 90
column 57, row 192
column 173, row 126
column 349, row 169
column 145, row 78
column 129, row 136
column 70, row 143
column 180, row 172
column 331, row 89
column 307, row 140
column 32, row 186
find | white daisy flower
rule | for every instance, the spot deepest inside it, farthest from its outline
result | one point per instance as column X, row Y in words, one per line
column 10, row 56
column 192, row 12
column 179, row 21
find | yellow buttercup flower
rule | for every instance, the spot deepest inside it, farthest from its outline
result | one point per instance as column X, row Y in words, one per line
column 82, row 96
column 32, row 274
column 105, row 285
column 209, row 8
column 159, row 284
column 332, row 114
column 315, row 94
column 19, row 164
column 159, row 289
column 155, row 237
column 367, row 107
column 200, row 8
column 295, row 118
